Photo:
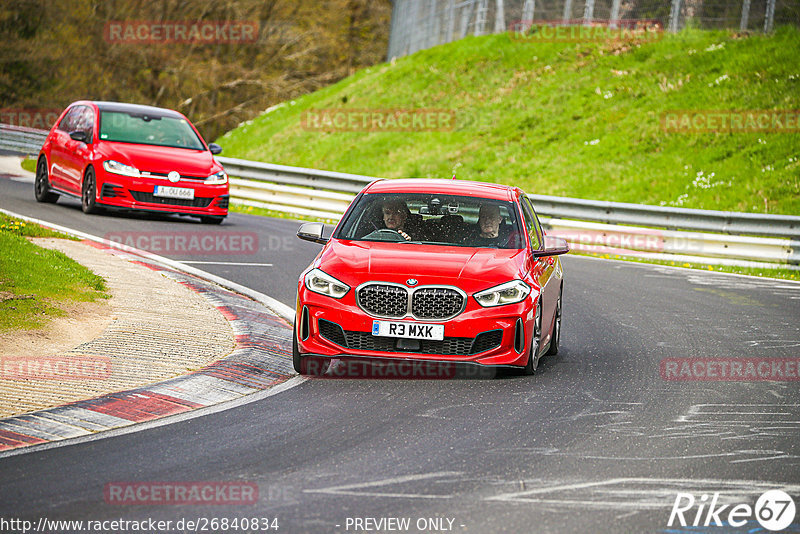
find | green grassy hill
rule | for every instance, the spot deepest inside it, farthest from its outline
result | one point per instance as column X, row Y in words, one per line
column 580, row 120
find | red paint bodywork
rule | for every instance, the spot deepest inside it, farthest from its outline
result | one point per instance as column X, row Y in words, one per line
column 68, row 161
column 470, row 269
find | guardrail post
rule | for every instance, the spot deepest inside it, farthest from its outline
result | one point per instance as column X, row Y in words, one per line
column 769, row 16
column 480, row 17
column 527, row 13
column 451, row 20
column 588, row 12
column 466, row 14
column 674, row 15
column 614, row 14
column 499, row 17
column 567, row 11
column 745, row 15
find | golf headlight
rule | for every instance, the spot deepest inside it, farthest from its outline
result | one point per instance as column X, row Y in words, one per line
column 217, row 178
column 120, row 168
column 324, row 284
column 508, row 293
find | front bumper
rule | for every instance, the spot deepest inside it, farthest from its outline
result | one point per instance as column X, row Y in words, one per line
column 123, row 192
column 334, row 328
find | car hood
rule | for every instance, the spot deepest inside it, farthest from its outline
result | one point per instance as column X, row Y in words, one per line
column 163, row 159
column 471, row 269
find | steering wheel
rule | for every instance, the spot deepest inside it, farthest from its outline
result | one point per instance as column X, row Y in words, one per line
column 388, row 231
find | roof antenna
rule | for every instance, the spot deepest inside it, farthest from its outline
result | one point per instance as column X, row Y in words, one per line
column 455, row 168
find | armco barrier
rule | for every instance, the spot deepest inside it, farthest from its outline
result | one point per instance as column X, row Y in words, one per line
column 730, row 237
column 25, row 141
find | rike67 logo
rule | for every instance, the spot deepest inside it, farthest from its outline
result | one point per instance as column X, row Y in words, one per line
column 774, row 511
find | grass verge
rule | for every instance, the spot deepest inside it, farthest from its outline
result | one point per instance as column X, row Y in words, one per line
column 581, row 120
column 29, row 164
column 36, row 283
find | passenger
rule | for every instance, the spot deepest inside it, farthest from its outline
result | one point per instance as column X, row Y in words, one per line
column 487, row 231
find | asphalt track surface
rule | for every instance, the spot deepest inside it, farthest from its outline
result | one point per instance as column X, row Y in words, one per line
column 596, row 441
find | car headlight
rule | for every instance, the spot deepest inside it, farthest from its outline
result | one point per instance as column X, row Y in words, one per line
column 324, row 284
column 508, row 293
column 217, row 178
column 120, row 168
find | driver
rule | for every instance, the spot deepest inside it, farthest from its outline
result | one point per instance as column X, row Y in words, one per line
column 395, row 217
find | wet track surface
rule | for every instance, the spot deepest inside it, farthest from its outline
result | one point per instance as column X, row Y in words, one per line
column 596, row 441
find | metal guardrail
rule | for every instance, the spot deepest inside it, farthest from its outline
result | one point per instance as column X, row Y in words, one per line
column 668, row 217
column 326, row 194
column 25, row 141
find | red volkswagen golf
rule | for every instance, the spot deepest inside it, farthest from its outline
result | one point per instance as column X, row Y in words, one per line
column 127, row 156
column 436, row 270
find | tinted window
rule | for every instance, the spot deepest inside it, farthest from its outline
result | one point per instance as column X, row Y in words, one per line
column 84, row 122
column 433, row 219
column 148, row 130
column 67, row 124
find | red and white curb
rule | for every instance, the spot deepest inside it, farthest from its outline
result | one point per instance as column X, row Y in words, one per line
column 260, row 361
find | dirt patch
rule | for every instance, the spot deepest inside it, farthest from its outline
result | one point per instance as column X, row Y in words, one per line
column 83, row 322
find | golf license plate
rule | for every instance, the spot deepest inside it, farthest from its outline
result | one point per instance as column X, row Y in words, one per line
column 165, row 191
column 408, row 330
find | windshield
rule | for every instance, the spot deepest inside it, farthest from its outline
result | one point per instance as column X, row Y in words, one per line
column 433, row 219
column 148, row 130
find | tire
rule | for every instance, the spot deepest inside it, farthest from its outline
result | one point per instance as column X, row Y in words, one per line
column 307, row 365
column 211, row 220
column 533, row 360
column 89, row 193
column 41, row 185
column 556, row 339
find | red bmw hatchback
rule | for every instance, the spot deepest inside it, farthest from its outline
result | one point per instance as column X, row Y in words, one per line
column 436, row 270
column 127, row 156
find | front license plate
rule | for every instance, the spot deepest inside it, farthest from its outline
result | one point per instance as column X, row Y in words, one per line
column 408, row 330
column 184, row 193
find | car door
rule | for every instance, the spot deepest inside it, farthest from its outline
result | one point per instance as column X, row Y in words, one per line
column 76, row 154
column 59, row 148
column 543, row 268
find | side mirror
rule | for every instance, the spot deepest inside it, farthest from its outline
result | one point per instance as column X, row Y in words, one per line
column 214, row 148
column 78, row 135
column 312, row 232
column 553, row 246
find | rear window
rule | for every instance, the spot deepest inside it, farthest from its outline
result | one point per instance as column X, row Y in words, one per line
column 433, row 219
column 148, row 130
